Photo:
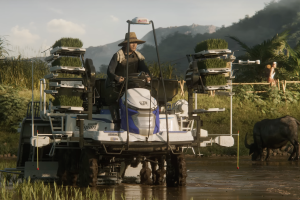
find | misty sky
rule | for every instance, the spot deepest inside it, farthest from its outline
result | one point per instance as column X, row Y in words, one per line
column 33, row 25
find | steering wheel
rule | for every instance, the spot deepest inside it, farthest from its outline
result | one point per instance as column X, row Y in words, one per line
column 135, row 80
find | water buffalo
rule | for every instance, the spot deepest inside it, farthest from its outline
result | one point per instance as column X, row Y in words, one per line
column 272, row 134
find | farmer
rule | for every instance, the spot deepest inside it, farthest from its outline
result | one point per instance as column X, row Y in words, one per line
column 116, row 72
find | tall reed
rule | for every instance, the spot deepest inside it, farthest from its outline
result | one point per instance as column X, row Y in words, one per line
column 18, row 72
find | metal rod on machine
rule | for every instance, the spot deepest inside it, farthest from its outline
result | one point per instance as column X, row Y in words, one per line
column 163, row 84
column 90, row 103
column 81, row 140
column 126, row 85
column 32, row 110
column 231, row 99
column 196, row 100
column 190, row 102
column 44, row 95
column 41, row 94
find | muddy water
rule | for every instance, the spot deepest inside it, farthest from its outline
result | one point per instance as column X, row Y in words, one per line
column 218, row 178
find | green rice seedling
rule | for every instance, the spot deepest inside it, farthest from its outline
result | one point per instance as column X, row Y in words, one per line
column 68, row 42
column 212, row 63
column 64, row 100
column 168, row 70
column 67, row 61
column 65, row 75
column 211, row 44
column 211, row 80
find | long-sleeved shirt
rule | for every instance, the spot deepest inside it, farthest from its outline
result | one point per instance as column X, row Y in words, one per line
column 116, row 69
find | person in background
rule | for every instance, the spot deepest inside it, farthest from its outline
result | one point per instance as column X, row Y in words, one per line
column 272, row 73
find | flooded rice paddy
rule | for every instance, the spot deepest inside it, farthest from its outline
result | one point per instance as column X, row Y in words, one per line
column 219, row 178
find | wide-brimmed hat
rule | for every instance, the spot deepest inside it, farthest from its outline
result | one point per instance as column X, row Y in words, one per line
column 132, row 39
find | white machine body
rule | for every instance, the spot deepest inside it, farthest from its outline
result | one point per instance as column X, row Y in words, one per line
column 101, row 127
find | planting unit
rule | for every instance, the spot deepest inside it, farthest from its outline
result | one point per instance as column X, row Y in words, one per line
column 210, row 70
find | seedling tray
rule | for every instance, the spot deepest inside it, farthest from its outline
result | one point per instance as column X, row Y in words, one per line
column 214, row 70
column 217, row 52
column 73, row 108
column 51, row 91
column 51, row 58
column 211, row 44
column 68, row 51
column 68, row 42
column 209, row 110
column 63, row 85
column 67, row 69
column 51, row 76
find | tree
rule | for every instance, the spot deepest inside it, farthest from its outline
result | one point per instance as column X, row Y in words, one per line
column 3, row 47
column 275, row 49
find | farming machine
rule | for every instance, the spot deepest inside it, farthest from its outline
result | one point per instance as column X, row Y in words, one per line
column 77, row 142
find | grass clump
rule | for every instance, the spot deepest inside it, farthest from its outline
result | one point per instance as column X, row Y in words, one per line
column 64, row 100
column 211, row 80
column 68, row 42
column 67, row 61
column 39, row 190
column 212, row 63
column 211, row 44
column 7, row 163
column 9, row 144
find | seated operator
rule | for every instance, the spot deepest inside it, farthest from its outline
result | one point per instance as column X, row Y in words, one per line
column 116, row 72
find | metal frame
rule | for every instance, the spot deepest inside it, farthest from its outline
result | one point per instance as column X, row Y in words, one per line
column 161, row 78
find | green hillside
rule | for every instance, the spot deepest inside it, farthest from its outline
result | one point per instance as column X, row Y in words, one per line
column 275, row 18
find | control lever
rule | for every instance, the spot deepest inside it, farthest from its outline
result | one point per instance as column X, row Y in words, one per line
column 144, row 76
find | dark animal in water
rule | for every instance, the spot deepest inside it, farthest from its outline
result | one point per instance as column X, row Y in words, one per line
column 272, row 134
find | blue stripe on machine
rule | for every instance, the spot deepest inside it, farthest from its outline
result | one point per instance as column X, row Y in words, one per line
column 113, row 131
column 104, row 111
column 177, row 131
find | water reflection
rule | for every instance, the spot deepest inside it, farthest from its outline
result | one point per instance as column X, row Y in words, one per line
column 144, row 192
column 215, row 178
column 276, row 163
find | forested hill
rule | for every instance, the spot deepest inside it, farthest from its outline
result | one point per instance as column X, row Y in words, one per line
column 274, row 18
column 101, row 55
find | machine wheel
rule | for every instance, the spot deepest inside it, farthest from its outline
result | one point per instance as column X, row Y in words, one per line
column 73, row 171
column 176, row 170
column 181, row 170
column 62, row 171
column 72, row 178
column 88, row 168
column 171, row 171
column 160, row 173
